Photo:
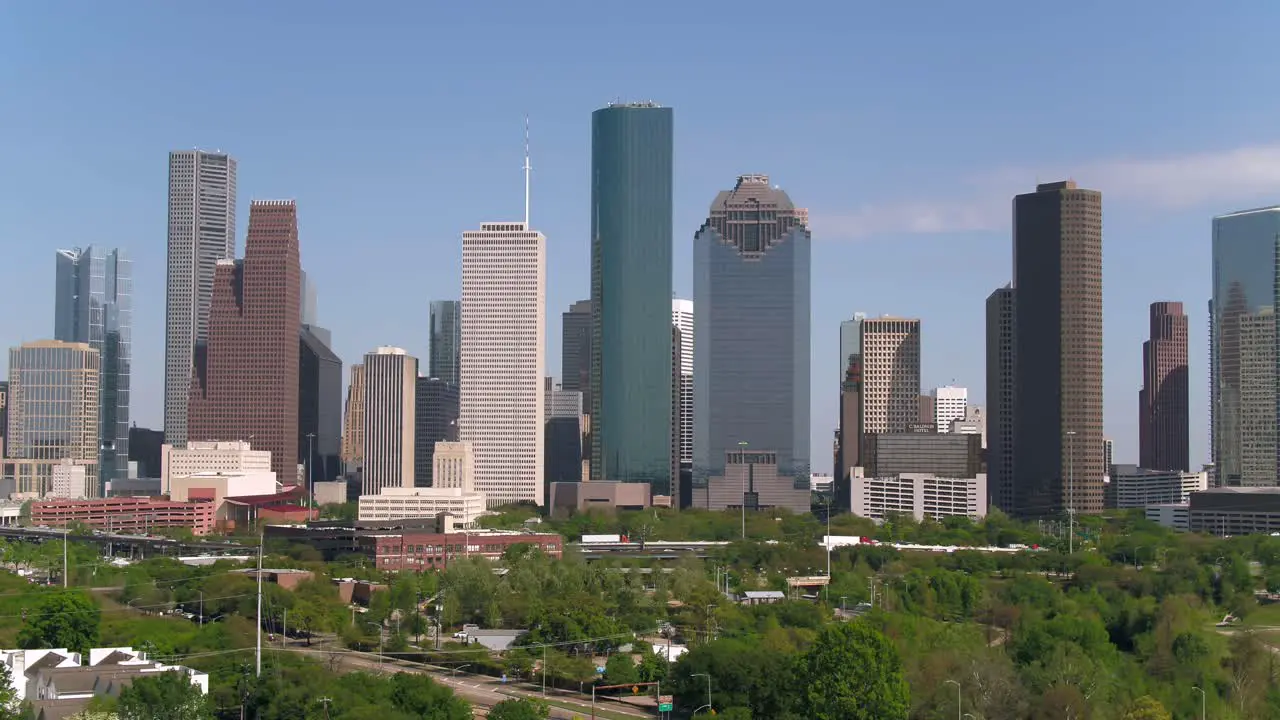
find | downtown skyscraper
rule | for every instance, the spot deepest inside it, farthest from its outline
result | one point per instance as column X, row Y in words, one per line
column 1163, row 422
column 504, row 298
column 1244, row 341
column 751, row 287
column 682, row 321
column 246, row 379
column 390, row 412
column 446, row 341
column 631, row 254
column 1058, row 444
column 202, row 231
column 94, row 305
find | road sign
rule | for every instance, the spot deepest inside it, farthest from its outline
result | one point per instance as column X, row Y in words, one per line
column 665, row 702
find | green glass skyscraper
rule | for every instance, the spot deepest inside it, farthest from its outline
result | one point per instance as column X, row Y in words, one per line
column 631, row 397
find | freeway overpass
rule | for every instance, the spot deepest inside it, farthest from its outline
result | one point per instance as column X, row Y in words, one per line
column 112, row 541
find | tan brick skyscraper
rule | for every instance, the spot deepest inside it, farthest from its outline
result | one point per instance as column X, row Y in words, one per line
column 246, row 381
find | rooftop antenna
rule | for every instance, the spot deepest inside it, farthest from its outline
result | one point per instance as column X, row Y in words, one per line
column 527, row 168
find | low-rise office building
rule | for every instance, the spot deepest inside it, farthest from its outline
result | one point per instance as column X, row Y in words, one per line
column 918, row 495
column 751, row 478
column 1227, row 511
column 228, row 457
column 409, row 550
column 336, row 538
column 1135, row 487
column 396, row 503
column 571, row 497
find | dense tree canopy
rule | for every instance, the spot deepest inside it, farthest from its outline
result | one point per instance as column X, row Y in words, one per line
column 163, row 696
column 62, row 619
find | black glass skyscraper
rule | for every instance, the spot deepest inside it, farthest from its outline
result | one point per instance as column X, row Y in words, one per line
column 435, row 420
column 631, row 187
column 751, row 369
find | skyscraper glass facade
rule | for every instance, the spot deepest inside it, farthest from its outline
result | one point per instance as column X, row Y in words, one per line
column 446, row 340
column 1244, row 347
column 94, row 305
column 631, row 191
column 751, row 282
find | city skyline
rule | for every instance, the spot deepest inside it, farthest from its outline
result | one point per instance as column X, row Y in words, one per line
column 872, row 225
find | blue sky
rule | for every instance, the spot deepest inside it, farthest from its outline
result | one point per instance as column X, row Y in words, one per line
column 904, row 127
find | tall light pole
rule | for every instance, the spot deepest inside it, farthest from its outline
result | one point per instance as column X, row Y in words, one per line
column 708, row 705
column 743, row 444
column 311, row 483
column 65, row 525
column 1203, row 702
column 1071, row 492
column 959, row 700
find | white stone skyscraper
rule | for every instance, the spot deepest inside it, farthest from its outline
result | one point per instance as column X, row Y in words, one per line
column 682, row 318
column 202, row 231
column 390, row 413
column 504, row 297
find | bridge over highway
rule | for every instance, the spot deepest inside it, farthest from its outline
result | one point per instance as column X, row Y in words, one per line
column 113, row 541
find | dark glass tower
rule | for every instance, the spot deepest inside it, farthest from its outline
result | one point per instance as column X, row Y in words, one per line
column 631, row 186
column 1244, row 347
column 446, row 340
column 94, row 304
column 575, row 350
column 751, row 369
column 435, row 420
column 319, row 405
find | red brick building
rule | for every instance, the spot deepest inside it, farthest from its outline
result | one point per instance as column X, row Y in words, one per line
column 1164, row 407
column 127, row 514
column 245, row 383
column 432, row 551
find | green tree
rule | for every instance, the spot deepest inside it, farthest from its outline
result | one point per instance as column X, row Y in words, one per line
column 621, row 669
column 523, row 709
column 164, row 696
column 1147, row 708
column 421, row 697
column 63, row 619
column 9, row 705
column 853, row 672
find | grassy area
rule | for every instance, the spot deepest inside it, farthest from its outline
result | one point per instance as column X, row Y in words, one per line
column 1263, row 616
column 601, row 712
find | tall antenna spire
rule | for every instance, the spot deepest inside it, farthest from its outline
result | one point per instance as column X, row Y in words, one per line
column 527, row 168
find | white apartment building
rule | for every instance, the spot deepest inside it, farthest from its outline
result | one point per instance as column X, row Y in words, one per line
column 890, row 348
column 453, row 466
column 919, row 495
column 504, row 297
column 390, row 415
column 1135, row 487
column 949, row 403
column 202, row 231
column 682, row 319
column 400, row 503
column 227, row 457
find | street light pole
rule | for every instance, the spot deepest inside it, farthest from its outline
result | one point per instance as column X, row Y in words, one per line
column 1203, row 702
column 311, row 483
column 743, row 444
column 959, row 701
column 708, row 705
column 1071, row 491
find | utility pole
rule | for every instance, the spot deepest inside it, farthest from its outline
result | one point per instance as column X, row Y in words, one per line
column 201, row 608
column 743, row 445
column 325, row 701
column 311, row 484
column 64, row 556
column 258, row 654
column 544, row 670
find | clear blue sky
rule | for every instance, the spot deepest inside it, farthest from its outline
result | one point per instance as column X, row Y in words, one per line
column 904, row 127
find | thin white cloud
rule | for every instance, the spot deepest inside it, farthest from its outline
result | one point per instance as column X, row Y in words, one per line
column 1225, row 180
